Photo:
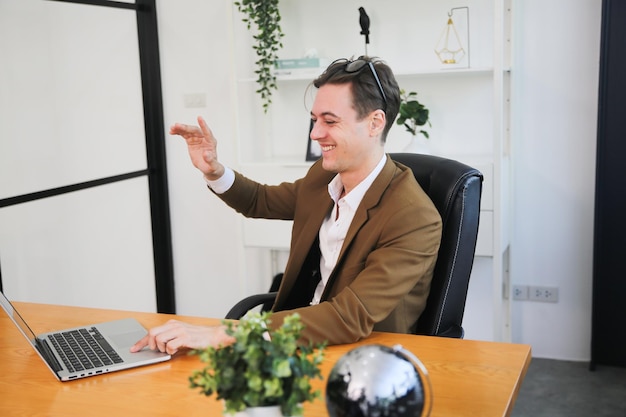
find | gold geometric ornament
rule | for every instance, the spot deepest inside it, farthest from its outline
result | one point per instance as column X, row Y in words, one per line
column 449, row 48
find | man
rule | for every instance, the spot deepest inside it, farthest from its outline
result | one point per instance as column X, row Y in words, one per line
column 365, row 235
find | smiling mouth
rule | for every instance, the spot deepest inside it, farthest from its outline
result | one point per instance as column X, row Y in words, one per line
column 328, row 148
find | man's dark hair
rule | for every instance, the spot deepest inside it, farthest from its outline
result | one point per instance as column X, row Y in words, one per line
column 366, row 93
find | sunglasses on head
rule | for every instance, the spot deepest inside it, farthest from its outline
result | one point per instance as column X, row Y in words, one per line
column 357, row 65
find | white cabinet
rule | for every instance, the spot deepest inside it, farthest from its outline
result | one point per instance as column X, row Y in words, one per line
column 468, row 107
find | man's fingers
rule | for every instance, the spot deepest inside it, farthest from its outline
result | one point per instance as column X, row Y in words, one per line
column 185, row 131
column 180, row 129
column 206, row 131
column 161, row 343
column 140, row 344
column 172, row 346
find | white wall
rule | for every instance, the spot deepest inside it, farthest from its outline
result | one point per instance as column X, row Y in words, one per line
column 556, row 55
column 197, row 58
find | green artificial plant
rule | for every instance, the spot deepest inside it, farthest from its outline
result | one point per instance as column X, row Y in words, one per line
column 412, row 113
column 257, row 370
column 265, row 15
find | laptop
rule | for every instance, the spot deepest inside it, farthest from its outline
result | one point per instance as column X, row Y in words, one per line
column 88, row 350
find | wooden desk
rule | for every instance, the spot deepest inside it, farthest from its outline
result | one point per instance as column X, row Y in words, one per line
column 469, row 378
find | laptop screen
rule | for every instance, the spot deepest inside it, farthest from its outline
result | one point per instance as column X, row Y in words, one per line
column 17, row 319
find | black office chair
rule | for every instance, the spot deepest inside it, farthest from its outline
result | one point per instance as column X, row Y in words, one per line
column 455, row 189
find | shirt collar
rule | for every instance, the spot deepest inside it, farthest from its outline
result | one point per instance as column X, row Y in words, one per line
column 335, row 187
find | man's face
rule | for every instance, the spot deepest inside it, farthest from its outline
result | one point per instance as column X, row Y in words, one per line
column 347, row 143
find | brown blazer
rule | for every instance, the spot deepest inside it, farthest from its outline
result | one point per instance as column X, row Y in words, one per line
column 383, row 273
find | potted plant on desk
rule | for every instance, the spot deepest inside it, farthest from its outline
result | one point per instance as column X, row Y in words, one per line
column 260, row 371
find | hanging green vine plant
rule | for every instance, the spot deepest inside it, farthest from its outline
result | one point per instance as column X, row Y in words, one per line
column 266, row 17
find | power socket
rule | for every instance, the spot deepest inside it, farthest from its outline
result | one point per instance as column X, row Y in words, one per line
column 194, row 100
column 545, row 294
column 520, row 292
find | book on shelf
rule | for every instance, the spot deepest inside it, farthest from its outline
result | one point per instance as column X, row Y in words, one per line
column 300, row 63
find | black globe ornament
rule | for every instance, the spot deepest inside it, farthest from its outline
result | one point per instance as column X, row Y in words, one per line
column 378, row 381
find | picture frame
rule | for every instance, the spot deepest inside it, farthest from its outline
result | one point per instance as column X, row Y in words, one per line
column 313, row 150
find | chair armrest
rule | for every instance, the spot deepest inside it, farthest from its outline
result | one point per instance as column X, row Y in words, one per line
column 248, row 303
column 453, row 331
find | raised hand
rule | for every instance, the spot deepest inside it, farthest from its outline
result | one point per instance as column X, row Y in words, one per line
column 202, row 147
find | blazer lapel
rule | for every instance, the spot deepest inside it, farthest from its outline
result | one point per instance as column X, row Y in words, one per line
column 316, row 203
column 370, row 200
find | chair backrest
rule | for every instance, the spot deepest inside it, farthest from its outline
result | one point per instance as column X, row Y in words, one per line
column 455, row 189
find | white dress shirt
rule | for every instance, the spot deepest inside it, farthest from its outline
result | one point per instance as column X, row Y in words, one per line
column 223, row 183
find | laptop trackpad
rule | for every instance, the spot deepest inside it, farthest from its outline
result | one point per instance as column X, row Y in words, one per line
column 126, row 340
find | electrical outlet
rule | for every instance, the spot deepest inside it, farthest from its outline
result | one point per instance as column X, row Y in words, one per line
column 194, row 100
column 520, row 292
column 545, row 294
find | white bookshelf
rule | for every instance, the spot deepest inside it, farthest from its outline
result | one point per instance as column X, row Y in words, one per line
column 469, row 113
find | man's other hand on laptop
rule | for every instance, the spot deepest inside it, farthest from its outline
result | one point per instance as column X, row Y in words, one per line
column 175, row 335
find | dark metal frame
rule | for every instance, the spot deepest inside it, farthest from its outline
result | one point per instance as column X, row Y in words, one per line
column 312, row 149
column 608, row 341
column 155, row 147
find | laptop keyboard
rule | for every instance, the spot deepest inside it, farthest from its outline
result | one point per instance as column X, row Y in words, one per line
column 84, row 349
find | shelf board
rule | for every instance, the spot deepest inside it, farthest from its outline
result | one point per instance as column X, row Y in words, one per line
column 443, row 71
column 295, row 75
column 311, row 74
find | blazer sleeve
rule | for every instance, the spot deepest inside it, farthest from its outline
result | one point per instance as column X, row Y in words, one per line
column 255, row 200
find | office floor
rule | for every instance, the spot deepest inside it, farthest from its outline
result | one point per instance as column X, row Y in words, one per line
column 555, row 388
